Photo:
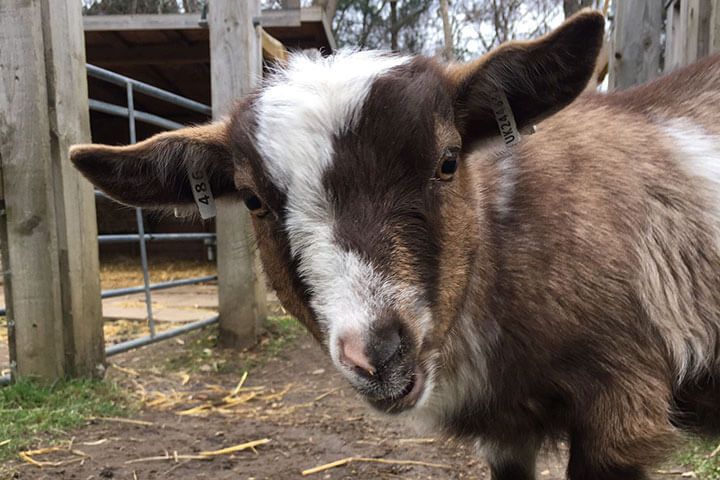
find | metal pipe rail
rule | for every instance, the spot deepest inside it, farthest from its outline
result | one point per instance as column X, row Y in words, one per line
column 119, row 111
column 119, row 292
column 154, row 237
column 142, row 341
column 149, row 90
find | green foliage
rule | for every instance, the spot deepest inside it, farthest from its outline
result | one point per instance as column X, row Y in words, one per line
column 281, row 332
column 29, row 409
column 696, row 457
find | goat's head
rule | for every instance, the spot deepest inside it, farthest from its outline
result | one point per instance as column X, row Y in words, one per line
column 365, row 213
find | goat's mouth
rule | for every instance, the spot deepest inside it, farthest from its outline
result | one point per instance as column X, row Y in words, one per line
column 405, row 398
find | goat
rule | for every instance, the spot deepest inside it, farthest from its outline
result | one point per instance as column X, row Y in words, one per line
column 567, row 287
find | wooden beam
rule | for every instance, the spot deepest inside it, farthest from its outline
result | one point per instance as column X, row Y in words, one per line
column 48, row 232
column 291, row 17
column 273, row 49
column 236, row 65
column 170, row 21
column 74, row 196
column 189, row 21
column 636, row 48
column 326, row 22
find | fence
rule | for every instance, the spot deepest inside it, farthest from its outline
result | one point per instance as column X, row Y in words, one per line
column 132, row 86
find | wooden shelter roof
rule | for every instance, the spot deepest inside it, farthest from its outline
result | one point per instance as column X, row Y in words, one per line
column 172, row 52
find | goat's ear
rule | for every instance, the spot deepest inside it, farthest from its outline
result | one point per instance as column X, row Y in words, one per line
column 538, row 77
column 155, row 172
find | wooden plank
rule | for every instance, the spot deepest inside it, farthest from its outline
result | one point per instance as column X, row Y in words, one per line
column 69, row 123
column 715, row 27
column 692, row 30
column 188, row 21
column 34, row 298
column 326, row 22
column 636, row 43
column 704, row 14
column 236, row 66
column 273, row 48
column 173, row 21
column 675, row 44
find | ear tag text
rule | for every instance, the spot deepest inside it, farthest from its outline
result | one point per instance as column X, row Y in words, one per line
column 204, row 199
column 506, row 120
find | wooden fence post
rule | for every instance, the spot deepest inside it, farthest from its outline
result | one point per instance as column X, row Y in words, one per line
column 48, row 231
column 636, row 47
column 715, row 27
column 236, row 68
column 691, row 26
column 69, row 117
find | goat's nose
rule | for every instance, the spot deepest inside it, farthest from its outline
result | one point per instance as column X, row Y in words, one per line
column 374, row 354
column 352, row 354
column 385, row 344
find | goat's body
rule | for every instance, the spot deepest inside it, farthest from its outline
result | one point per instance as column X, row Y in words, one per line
column 595, row 311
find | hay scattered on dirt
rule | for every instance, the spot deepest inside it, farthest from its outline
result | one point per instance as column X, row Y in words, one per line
column 123, row 272
column 345, row 461
column 117, row 331
column 62, row 455
column 175, row 457
column 122, row 420
column 180, row 395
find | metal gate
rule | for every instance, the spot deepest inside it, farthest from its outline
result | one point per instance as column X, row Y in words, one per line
column 131, row 86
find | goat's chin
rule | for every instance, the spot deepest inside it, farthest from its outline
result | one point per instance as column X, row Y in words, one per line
column 405, row 399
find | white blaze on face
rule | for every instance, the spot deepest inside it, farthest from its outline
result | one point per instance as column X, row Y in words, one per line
column 305, row 107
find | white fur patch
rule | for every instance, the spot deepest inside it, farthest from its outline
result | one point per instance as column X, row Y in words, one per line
column 507, row 178
column 699, row 150
column 698, row 155
column 300, row 112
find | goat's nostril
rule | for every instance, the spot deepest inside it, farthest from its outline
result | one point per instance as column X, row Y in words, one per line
column 386, row 343
column 352, row 354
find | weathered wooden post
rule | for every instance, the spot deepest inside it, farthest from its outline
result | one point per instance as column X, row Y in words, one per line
column 715, row 27
column 636, row 48
column 236, row 67
column 691, row 27
column 47, row 227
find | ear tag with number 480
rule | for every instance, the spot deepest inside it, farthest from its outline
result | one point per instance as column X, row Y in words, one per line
column 204, row 199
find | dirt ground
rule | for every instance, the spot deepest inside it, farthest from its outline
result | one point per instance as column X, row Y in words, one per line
column 302, row 412
column 292, row 397
column 301, row 405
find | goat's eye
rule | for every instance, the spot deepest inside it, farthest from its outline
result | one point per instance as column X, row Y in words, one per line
column 448, row 164
column 255, row 205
